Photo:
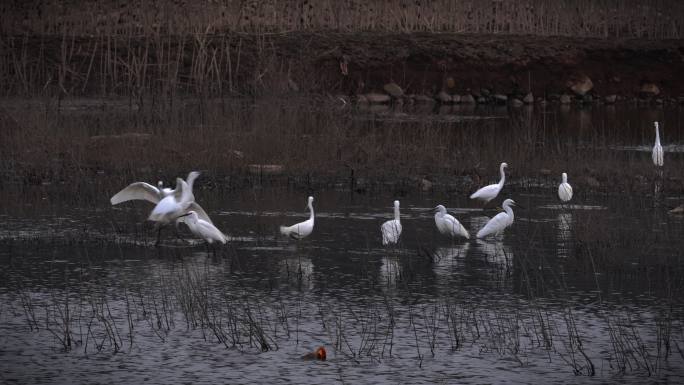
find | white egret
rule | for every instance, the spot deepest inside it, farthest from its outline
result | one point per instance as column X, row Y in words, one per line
column 173, row 206
column 145, row 191
column 448, row 225
column 301, row 229
column 141, row 191
column 657, row 154
column 487, row 193
column 500, row 221
column 202, row 228
column 564, row 189
column 391, row 230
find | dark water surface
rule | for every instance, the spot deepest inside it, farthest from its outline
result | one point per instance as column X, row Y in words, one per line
column 585, row 292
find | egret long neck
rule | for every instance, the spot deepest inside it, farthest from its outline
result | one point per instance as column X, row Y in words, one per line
column 657, row 134
column 191, row 179
column 509, row 211
column 396, row 212
column 503, row 177
column 186, row 192
column 311, row 211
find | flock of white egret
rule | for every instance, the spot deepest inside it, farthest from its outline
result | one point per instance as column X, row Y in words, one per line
column 178, row 205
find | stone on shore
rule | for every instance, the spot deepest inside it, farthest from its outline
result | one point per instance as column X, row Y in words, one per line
column 529, row 98
column 500, row 98
column 378, row 98
column 423, row 99
column 266, row 169
column 467, row 99
column 580, row 84
column 444, row 98
column 650, row 89
column 515, row 102
column 394, row 90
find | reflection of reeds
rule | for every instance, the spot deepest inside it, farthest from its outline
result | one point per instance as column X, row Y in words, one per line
column 87, row 313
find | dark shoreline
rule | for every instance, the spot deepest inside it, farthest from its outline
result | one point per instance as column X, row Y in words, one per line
column 347, row 64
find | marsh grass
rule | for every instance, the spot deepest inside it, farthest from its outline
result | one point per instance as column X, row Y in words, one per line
column 97, row 147
column 168, row 49
column 603, row 18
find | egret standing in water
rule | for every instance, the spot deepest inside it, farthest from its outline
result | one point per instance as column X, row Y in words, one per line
column 487, row 193
column 448, row 225
column 202, row 228
column 391, row 230
column 657, row 149
column 564, row 189
column 500, row 220
column 145, row 191
column 301, row 229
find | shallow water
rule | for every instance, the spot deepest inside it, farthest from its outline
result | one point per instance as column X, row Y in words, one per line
column 591, row 287
column 381, row 313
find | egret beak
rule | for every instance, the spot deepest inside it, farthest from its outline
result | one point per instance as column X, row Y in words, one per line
column 181, row 216
column 519, row 205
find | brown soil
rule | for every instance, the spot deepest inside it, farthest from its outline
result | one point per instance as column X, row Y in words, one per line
column 336, row 63
column 422, row 63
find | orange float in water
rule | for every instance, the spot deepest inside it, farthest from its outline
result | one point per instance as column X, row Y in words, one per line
column 318, row 354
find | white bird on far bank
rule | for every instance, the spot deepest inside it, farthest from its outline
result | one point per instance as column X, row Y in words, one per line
column 448, row 225
column 490, row 192
column 564, row 189
column 202, row 228
column 500, row 221
column 301, row 229
column 391, row 230
column 657, row 153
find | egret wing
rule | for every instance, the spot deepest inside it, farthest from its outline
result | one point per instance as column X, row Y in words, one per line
column 136, row 191
column 657, row 155
column 565, row 192
column 210, row 233
column 496, row 224
column 391, row 231
column 191, row 179
column 180, row 190
column 486, row 192
column 455, row 227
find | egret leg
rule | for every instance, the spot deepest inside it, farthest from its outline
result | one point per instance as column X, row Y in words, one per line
column 179, row 236
column 489, row 205
column 159, row 228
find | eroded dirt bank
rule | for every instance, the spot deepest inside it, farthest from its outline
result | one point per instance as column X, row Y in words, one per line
column 424, row 63
column 342, row 63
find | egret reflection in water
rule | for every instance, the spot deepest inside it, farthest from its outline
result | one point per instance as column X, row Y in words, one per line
column 298, row 269
column 390, row 270
column 495, row 252
column 564, row 235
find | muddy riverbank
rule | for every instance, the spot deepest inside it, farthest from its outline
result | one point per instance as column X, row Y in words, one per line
column 490, row 68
